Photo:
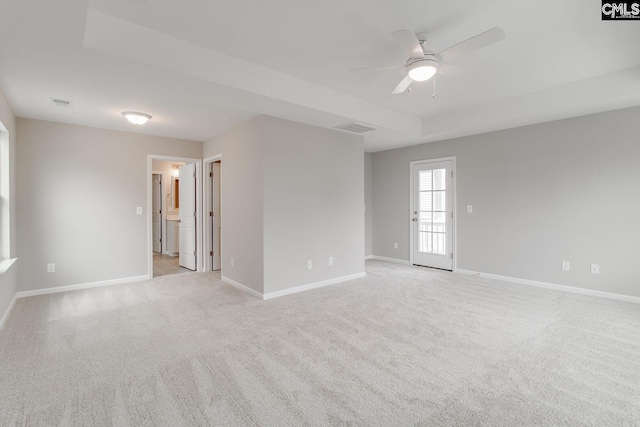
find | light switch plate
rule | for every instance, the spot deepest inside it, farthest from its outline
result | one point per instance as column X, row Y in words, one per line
column 595, row 268
column 566, row 266
column 139, row 210
column 469, row 208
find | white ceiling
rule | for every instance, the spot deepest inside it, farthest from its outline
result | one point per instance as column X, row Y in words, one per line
column 200, row 67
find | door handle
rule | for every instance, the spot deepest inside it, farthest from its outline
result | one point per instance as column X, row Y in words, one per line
column 414, row 219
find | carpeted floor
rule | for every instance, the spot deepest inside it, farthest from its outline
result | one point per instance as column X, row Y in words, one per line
column 403, row 346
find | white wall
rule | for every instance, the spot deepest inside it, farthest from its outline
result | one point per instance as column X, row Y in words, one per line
column 313, row 203
column 368, row 202
column 241, row 203
column 541, row 194
column 78, row 189
column 9, row 279
column 290, row 193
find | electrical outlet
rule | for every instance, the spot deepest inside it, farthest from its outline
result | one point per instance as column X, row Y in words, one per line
column 51, row 267
column 395, row 245
column 233, row 262
column 566, row 266
column 595, row 268
column 309, row 265
column 330, row 260
column 139, row 210
column 469, row 208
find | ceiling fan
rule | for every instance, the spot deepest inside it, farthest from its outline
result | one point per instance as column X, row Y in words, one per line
column 423, row 64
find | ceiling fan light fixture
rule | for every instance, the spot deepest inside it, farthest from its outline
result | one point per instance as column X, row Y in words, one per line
column 136, row 118
column 421, row 71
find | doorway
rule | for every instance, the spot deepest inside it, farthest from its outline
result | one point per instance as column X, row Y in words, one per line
column 432, row 213
column 156, row 212
column 175, row 209
column 213, row 213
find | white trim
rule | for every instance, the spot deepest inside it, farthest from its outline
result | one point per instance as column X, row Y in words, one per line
column 394, row 260
column 563, row 288
column 206, row 199
column 293, row 290
column 242, row 287
column 454, row 229
column 310, row 286
column 67, row 288
column 6, row 264
column 6, row 313
column 368, row 257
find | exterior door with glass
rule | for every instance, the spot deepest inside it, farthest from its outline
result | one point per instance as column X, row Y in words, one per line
column 432, row 214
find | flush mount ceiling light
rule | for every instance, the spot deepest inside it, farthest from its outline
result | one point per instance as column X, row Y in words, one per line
column 136, row 118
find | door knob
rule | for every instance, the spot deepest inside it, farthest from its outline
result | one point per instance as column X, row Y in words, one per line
column 414, row 219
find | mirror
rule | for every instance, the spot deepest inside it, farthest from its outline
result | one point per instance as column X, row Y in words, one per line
column 175, row 193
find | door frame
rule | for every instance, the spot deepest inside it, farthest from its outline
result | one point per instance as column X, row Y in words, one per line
column 199, row 205
column 454, row 220
column 206, row 225
column 162, row 210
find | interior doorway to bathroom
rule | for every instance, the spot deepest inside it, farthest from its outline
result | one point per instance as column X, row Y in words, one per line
column 174, row 214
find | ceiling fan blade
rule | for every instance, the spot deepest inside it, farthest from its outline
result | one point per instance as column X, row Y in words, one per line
column 409, row 43
column 448, row 70
column 402, row 86
column 469, row 45
column 388, row 67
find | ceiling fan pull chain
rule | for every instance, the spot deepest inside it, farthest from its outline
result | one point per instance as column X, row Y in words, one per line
column 434, row 87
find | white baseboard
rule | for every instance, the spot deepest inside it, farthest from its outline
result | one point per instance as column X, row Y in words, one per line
column 310, row 286
column 57, row 289
column 368, row 257
column 6, row 313
column 290, row 291
column 395, row 260
column 563, row 288
column 242, row 287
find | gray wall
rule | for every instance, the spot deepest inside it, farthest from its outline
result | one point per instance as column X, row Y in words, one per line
column 313, row 203
column 564, row 190
column 290, row 193
column 78, row 191
column 241, row 202
column 9, row 280
column 368, row 202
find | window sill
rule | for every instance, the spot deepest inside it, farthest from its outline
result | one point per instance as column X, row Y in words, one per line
column 6, row 264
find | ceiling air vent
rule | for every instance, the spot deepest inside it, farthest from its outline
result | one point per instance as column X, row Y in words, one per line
column 61, row 102
column 355, row 127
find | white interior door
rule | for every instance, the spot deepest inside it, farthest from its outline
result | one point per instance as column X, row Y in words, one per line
column 432, row 214
column 216, row 221
column 187, row 197
column 156, row 212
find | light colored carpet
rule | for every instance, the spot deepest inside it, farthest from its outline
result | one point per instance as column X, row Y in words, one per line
column 403, row 346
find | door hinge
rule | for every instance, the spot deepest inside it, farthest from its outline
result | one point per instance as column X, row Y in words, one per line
column 210, row 174
column 451, row 174
column 194, row 174
column 194, row 253
column 451, row 214
column 451, row 255
column 210, row 253
column 160, row 210
column 210, row 213
column 160, row 240
column 194, row 214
